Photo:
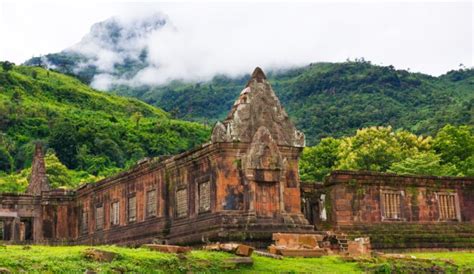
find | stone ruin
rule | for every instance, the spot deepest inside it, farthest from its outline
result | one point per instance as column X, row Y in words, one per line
column 244, row 186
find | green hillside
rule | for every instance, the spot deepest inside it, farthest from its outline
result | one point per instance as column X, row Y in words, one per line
column 333, row 99
column 90, row 132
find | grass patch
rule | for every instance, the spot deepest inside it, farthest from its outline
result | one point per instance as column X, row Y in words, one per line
column 70, row 259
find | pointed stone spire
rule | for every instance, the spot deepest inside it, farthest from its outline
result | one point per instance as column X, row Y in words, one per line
column 258, row 106
column 38, row 180
column 258, row 75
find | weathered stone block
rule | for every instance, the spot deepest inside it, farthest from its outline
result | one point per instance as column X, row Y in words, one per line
column 244, row 250
column 168, row 248
column 99, row 255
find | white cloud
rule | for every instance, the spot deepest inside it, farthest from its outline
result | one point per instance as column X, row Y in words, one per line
column 205, row 39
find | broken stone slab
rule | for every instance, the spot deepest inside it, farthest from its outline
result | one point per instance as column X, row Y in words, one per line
column 229, row 247
column 168, row 248
column 237, row 249
column 309, row 253
column 99, row 255
column 268, row 254
column 297, row 252
column 292, row 240
column 212, row 247
column 239, row 261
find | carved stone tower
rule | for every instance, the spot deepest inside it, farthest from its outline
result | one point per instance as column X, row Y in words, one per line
column 269, row 164
column 38, row 180
column 256, row 107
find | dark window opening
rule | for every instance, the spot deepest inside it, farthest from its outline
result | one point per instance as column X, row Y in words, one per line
column 28, row 228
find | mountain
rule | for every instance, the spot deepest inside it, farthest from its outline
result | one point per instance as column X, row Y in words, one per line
column 333, row 99
column 114, row 48
column 87, row 130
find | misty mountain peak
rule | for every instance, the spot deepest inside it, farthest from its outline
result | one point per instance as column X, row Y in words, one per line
column 115, row 31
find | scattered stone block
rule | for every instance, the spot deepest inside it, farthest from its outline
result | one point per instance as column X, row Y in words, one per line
column 100, row 255
column 239, row 261
column 244, row 250
column 296, row 252
column 237, row 249
column 291, row 240
column 229, row 247
column 212, row 247
column 268, row 254
column 359, row 247
column 273, row 250
column 168, row 248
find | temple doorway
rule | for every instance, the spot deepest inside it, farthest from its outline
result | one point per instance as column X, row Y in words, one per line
column 266, row 199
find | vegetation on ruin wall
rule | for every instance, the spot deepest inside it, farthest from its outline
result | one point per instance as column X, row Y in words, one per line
column 333, row 99
column 88, row 134
column 71, row 259
column 449, row 153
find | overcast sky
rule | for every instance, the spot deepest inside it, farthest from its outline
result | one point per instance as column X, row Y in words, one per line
column 235, row 37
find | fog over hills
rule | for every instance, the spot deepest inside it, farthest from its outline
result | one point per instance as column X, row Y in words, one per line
column 184, row 73
column 114, row 51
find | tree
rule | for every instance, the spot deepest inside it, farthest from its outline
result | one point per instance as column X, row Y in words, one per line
column 63, row 140
column 377, row 148
column 16, row 97
column 91, row 163
column 58, row 174
column 136, row 117
column 316, row 162
column 7, row 66
column 6, row 160
column 426, row 163
column 372, row 148
column 455, row 145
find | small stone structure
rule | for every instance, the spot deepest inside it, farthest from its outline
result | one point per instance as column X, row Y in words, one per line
column 242, row 186
column 396, row 211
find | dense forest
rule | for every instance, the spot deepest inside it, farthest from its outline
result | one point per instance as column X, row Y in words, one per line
column 323, row 99
column 87, row 134
column 333, row 99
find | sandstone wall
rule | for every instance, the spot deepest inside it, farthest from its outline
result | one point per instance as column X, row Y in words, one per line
column 419, row 211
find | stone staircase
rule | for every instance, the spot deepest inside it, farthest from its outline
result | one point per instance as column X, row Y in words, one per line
column 342, row 242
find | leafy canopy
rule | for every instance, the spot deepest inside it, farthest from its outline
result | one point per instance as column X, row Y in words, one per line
column 384, row 150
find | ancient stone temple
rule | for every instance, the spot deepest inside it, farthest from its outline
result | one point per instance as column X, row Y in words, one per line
column 243, row 185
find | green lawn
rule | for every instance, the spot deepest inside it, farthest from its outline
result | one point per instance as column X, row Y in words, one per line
column 463, row 259
column 70, row 259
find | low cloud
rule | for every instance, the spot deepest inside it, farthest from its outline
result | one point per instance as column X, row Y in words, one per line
column 196, row 42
